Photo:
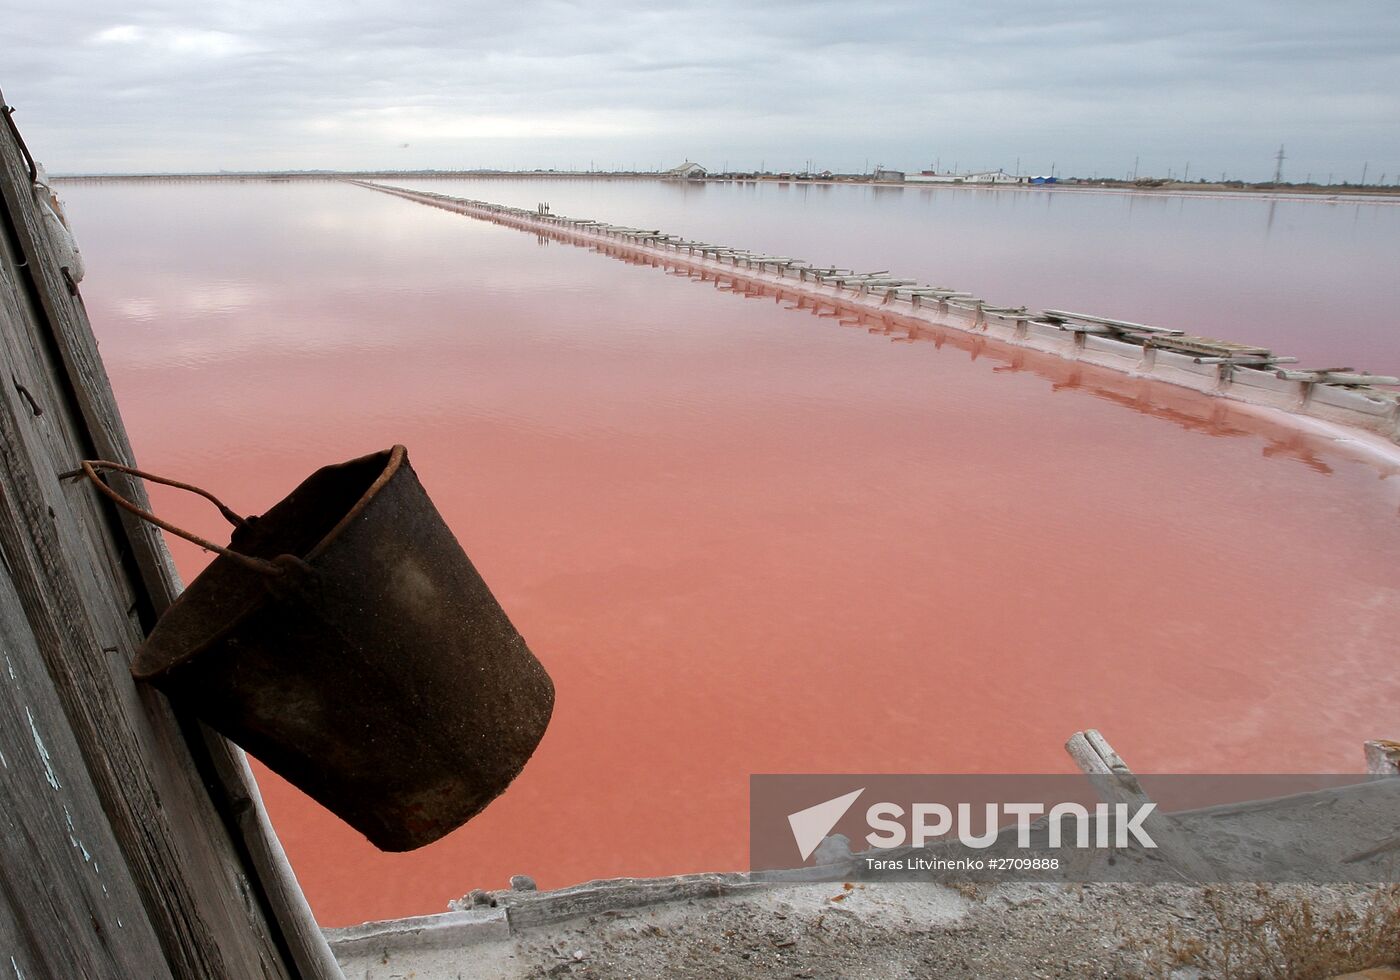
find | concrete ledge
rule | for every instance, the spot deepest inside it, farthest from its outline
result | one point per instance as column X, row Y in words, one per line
column 484, row 917
column 524, row 909
column 424, row 932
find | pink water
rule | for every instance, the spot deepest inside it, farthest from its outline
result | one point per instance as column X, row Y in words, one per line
column 743, row 538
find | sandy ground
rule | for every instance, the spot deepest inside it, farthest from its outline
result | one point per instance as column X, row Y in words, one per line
column 925, row 930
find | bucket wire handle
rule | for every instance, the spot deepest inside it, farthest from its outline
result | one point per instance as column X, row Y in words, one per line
column 90, row 468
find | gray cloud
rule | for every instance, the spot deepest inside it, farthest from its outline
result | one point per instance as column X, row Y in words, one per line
column 1086, row 86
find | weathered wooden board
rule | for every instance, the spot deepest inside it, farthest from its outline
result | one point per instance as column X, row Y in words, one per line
column 60, row 866
column 1382, row 757
column 1115, row 783
column 211, row 885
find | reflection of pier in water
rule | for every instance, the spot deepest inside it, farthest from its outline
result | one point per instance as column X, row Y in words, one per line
column 1184, row 408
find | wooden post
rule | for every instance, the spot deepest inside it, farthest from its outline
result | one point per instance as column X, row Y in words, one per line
column 135, row 844
column 1116, row 783
column 1382, row 757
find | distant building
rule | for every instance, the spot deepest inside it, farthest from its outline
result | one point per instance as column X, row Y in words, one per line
column 882, row 173
column 978, row 177
column 687, row 171
column 994, row 177
column 933, row 177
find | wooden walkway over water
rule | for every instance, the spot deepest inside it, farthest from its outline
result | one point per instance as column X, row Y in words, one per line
column 1239, row 372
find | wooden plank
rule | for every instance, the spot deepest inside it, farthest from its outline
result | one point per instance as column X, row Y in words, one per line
column 1382, row 757
column 84, row 636
column 1189, row 344
column 1338, row 377
column 68, row 904
column 843, row 277
column 1245, row 360
column 200, row 886
column 1093, row 328
column 1109, row 322
column 1115, row 783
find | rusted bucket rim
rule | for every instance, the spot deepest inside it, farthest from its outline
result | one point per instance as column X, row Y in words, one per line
column 398, row 454
column 396, row 457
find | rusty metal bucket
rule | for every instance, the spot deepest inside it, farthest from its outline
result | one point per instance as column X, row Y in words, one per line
column 345, row 639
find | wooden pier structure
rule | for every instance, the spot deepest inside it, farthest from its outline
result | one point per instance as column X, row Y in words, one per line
column 1247, row 374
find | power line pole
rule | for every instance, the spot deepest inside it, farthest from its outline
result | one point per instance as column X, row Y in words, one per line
column 1364, row 167
column 1278, row 168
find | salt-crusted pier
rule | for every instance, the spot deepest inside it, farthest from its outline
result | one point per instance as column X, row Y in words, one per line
column 1248, row 374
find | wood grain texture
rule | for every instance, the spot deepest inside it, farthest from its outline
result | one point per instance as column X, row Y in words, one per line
column 178, row 802
column 61, row 869
column 1382, row 757
column 1115, row 783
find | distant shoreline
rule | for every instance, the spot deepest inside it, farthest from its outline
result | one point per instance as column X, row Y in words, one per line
column 1334, row 193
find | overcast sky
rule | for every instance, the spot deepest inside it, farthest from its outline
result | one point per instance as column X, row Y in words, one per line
column 1087, row 87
